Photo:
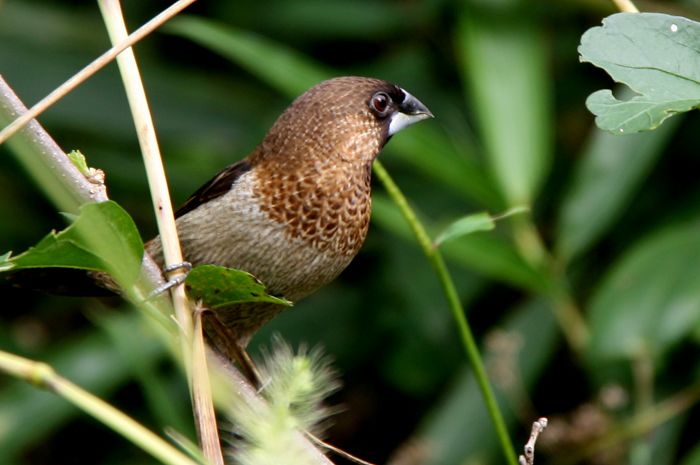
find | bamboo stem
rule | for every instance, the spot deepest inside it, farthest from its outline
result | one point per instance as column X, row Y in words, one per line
column 203, row 404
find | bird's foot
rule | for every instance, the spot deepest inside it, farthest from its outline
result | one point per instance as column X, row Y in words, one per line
column 185, row 267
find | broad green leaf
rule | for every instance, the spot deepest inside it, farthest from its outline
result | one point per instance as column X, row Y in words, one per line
column 218, row 286
column 651, row 298
column 57, row 249
column 282, row 67
column 504, row 61
column 657, row 56
column 473, row 223
column 609, row 173
column 103, row 237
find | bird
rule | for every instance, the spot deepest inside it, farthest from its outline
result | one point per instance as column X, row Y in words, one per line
column 296, row 210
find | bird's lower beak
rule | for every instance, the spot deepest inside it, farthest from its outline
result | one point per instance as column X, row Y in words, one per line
column 410, row 112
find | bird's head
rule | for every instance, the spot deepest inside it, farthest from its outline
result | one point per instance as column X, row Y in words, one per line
column 343, row 119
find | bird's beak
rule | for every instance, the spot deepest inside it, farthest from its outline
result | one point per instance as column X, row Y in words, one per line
column 410, row 111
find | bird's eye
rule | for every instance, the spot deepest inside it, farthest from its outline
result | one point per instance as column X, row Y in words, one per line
column 380, row 103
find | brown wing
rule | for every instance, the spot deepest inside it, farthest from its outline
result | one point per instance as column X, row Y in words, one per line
column 215, row 187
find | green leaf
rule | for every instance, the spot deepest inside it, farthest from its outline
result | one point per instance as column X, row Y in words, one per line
column 657, row 56
column 466, row 225
column 102, row 238
column 79, row 161
column 609, row 173
column 282, row 67
column 218, row 286
column 473, row 223
column 505, row 63
column 486, row 253
column 651, row 299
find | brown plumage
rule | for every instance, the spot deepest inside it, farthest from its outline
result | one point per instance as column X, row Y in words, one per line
column 296, row 210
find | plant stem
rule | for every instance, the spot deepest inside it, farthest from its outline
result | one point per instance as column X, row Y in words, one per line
column 44, row 376
column 470, row 346
column 626, row 6
column 200, row 388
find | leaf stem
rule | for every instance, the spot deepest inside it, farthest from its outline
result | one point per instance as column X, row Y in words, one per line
column 43, row 375
column 470, row 346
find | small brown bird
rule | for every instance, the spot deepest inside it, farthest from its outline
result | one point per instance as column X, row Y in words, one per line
column 295, row 212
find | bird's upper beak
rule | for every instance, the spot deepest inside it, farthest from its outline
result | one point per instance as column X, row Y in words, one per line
column 410, row 111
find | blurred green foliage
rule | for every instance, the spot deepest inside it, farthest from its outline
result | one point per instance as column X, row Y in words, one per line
column 613, row 233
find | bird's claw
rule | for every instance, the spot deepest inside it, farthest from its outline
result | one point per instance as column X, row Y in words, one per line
column 185, row 267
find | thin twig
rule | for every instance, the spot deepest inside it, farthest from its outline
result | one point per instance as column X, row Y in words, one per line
column 470, row 347
column 93, row 67
column 528, row 458
column 43, row 375
column 199, row 380
column 340, row 452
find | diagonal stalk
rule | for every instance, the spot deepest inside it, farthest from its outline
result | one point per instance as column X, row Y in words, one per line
column 44, row 376
column 194, row 356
